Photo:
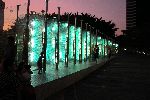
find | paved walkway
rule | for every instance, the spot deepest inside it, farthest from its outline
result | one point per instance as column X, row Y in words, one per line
column 124, row 78
column 53, row 74
column 54, row 80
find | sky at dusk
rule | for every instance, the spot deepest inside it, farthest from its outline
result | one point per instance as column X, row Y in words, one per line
column 114, row 10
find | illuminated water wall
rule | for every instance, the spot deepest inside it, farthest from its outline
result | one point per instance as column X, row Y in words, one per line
column 78, row 41
column 71, row 42
column 51, row 36
column 35, row 44
column 36, row 28
column 100, row 45
column 63, row 39
column 84, row 45
column 88, row 44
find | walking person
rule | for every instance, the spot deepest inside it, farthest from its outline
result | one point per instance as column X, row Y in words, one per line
column 109, row 53
column 39, row 63
column 96, row 49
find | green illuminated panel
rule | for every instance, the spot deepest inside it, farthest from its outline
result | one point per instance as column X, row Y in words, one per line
column 116, row 45
column 99, row 43
column 88, row 44
column 37, row 30
column 71, row 39
column 52, row 30
column 110, row 43
column 103, row 46
column 78, row 42
column 83, row 45
column 35, row 43
column 63, row 31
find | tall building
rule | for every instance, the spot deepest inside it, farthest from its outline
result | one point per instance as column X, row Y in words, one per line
column 138, row 23
column 2, row 36
column 143, row 18
column 2, row 7
column 131, row 16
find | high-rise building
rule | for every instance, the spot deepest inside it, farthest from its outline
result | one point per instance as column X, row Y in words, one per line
column 138, row 23
column 2, row 36
column 143, row 18
column 2, row 7
column 131, row 16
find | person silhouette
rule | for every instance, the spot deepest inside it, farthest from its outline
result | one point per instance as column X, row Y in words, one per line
column 39, row 63
column 96, row 49
column 109, row 53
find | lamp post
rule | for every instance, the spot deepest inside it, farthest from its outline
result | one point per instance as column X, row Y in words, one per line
column 45, row 39
column 96, row 35
column 74, row 50
column 43, row 15
column 67, row 51
column 26, row 37
column 104, row 47
column 86, row 41
column 81, row 43
column 57, row 43
column 68, row 40
column 90, row 44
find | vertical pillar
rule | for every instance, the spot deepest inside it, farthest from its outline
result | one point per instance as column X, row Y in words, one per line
column 57, row 44
column 81, row 43
column 90, row 45
column 112, row 48
column 17, row 35
column 107, row 45
column 96, row 36
column 75, row 41
column 67, row 52
column 104, row 47
column 86, row 42
column 26, row 37
column 45, row 39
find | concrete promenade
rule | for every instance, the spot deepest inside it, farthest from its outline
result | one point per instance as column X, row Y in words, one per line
column 126, row 77
column 53, row 80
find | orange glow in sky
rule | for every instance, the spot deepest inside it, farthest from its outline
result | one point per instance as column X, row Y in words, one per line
column 114, row 10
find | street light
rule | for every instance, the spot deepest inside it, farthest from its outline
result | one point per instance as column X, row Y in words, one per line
column 74, row 42
column 86, row 40
column 57, row 43
column 80, row 55
column 45, row 38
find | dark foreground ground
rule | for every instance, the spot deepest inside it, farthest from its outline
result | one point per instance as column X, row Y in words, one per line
column 123, row 78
